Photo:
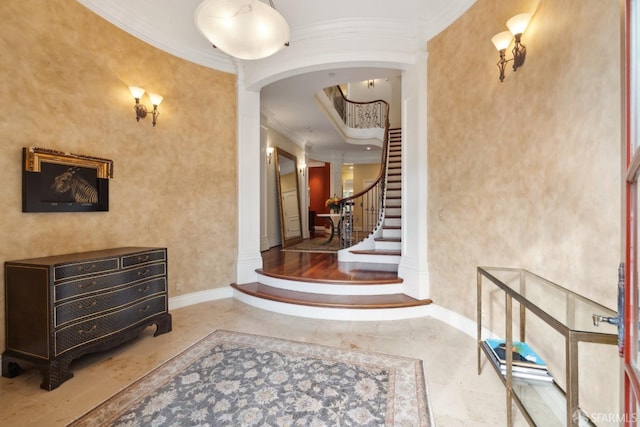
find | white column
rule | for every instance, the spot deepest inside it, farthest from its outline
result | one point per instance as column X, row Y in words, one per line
column 304, row 192
column 265, row 169
column 414, row 267
column 249, row 171
column 336, row 174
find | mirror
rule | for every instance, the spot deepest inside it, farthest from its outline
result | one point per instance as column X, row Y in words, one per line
column 288, row 198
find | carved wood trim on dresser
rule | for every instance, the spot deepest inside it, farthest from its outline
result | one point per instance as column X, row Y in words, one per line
column 61, row 307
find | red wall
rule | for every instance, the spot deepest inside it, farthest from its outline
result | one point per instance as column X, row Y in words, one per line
column 319, row 188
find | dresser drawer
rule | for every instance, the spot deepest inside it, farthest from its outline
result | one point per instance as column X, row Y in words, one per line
column 68, row 271
column 96, row 283
column 84, row 332
column 80, row 308
column 143, row 258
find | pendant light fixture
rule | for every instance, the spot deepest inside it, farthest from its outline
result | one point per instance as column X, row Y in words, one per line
column 244, row 29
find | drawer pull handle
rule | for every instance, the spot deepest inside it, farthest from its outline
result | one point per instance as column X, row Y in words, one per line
column 92, row 329
column 142, row 310
column 92, row 304
column 86, row 285
column 143, row 272
column 146, row 288
column 86, row 269
column 143, row 258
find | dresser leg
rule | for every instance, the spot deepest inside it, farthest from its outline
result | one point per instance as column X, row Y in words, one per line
column 163, row 324
column 56, row 373
column 10, row 368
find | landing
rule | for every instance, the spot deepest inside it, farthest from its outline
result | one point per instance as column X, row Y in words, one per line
column 324, row 267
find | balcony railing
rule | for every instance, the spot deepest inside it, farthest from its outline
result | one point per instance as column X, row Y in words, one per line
column 358, row 115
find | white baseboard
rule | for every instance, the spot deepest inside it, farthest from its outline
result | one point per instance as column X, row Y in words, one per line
column 198, row 297
column 449, row 317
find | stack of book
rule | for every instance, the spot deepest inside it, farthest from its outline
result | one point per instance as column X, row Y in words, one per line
column 526, row 363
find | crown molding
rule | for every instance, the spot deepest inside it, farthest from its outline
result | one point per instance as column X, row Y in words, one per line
column 356, row 42
column 343, row 42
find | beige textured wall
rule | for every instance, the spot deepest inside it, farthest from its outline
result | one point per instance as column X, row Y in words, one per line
column 526, row 173
column 63, row 84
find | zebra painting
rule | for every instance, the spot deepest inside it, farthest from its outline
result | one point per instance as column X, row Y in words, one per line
column 80, row 189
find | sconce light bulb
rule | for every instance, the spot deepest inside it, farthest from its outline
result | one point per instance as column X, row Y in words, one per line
column 519, row 23
column 136, row 92
column 155, row 99
column 502, row 40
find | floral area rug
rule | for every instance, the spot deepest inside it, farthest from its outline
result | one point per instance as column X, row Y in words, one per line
column 234, row 379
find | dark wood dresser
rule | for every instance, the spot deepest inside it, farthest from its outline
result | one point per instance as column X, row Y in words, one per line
column 61, row 307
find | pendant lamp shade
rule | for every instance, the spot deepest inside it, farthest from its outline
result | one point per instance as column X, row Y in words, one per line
column 245, row 29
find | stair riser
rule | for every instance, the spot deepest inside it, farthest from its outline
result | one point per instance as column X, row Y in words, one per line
column 391, row 233
column 390, row 210
column 359, row 314
column 373, row 259
column 330, row 288
column 393, row 222
column 388, row 246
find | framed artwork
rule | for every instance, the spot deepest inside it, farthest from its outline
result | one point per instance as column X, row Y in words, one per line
column 54, row 181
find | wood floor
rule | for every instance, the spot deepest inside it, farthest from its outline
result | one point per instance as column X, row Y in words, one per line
column 325, row 269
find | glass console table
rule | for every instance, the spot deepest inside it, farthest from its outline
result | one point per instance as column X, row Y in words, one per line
column 570, row 314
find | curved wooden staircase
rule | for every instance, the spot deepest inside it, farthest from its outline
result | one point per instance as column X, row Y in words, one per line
column 387, row 247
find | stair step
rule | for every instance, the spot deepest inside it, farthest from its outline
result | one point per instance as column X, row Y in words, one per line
column 259, row 290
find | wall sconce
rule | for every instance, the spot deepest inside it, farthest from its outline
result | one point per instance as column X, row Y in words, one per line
column 141, row 109
column 517, row 25
column 269, row 153
column 303, row 167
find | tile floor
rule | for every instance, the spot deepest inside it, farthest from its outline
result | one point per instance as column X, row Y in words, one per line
column 459, row 397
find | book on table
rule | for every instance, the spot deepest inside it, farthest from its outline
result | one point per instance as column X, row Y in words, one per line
column 527, row 364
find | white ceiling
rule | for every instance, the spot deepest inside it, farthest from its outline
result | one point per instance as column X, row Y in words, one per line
column 169, row 25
